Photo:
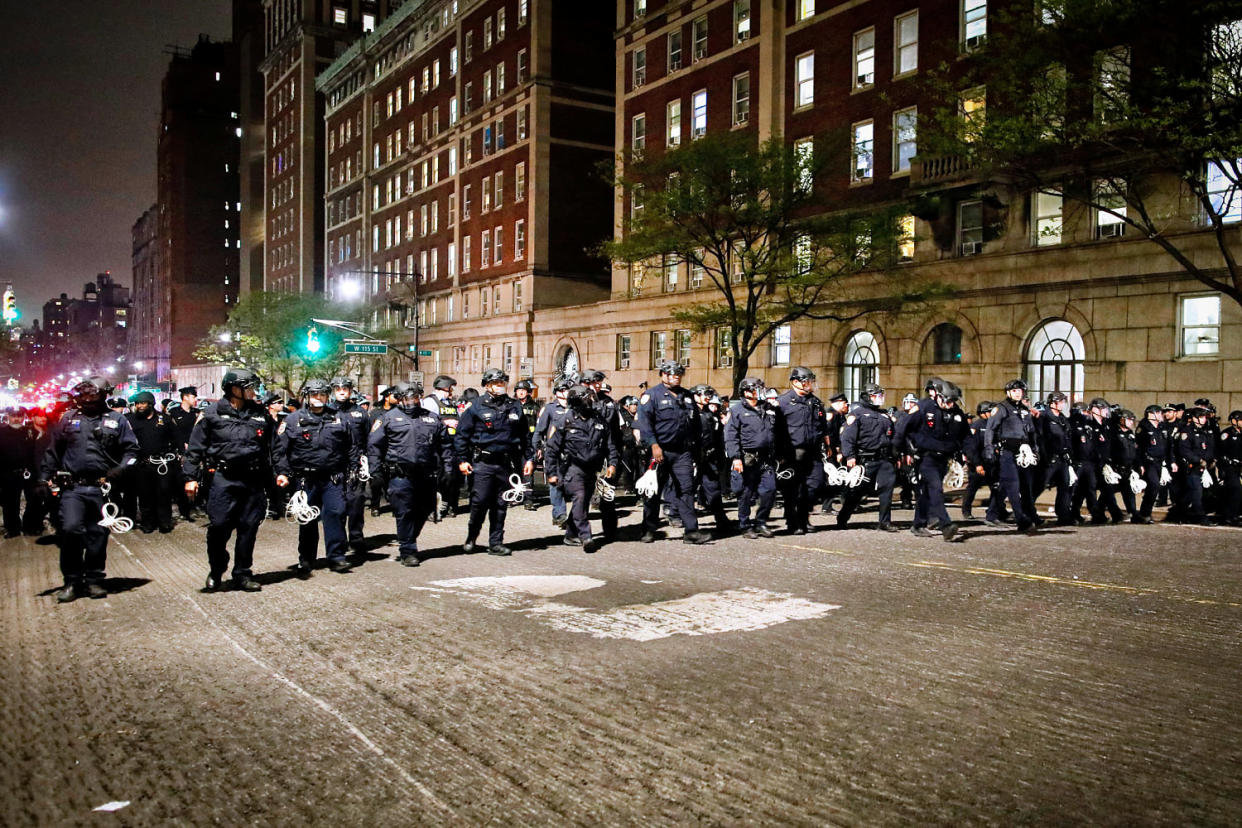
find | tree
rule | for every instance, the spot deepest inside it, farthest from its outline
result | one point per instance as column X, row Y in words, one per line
column 268, row 333
column 771, row 241
column 1130, row 109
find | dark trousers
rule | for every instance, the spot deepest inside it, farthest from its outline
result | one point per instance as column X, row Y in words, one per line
column 929, row 506
column 710, row 494
column 1108, row 496
column 1057, row 476
column 11, row 485
column 37, row 505
column 1231, row 494
column 1085, row 488
column 755, row 482
column 607, row 512
column 412, row 501
column 355, row 495
column 1151, row 474
column 234, row 504
column 152, row 493
column 800, row 489
column 883, row 477
column 330, row 498
column 83, row 542
column 975, row 482
column 1192, row 495
column 579, row 485
column 1015, row 483
column 491, row 481
column 675, row 477
column 377, row 485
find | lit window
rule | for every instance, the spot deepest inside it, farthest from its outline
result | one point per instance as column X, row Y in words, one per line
column 623, row 351
column 974, row 23
column 1113, row 84
column 700, row 114
column 700, row 38
column 741, row 99
column 864, row 59
column 519, row 182
column 340, row 16
column 1046, row 220
column 906, row 45
column 905, row 239
column 905, row 123
column 1199, row 325
column 674, row 50
column 639, row 61
column 806, row 9
column 972, row 108
column 741, row 19
column 782, row 339
column 673, row 122
column 368, row 22
column 970, row 228
column 1222, row 189
column 640, row 8
column 804, row 79
column 519, row 239
column 1110, row 212
column 452, row 61
column 863, row 166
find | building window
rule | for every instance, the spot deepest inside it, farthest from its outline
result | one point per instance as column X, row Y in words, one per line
column 468, row 49
column 697, row 272
column 864, row 58
column 674, row 50
column 946, row 342
column 1110, row 212
column 1223, row 191
column 521, row 123
column 700, row 38
column 905, row 239
column 659, row 348
column 681, row 341
column 1198, row 322
column 782, row 344
column 500, row 25
column 452, row 259
column 624, row 349
column 1054, row 361
column 486, row 249
column 804, row 80
column 368, row 22
column 699, row 110
column 970, row 228
column 1046, row 219
column 671, row 271
column 863, row 153
column 519, row 240
column 340, row 16
column 741, row 99
column 860, row 364
column 974, row 23
column 972, row 108
column 905, row 130
column 519, row 181
column 483, row 303
column 724, row 348
column 498, row 246
column 523, row 11
column 672, row 119
column 500, row 78
column 499, row 187
column 906, row 44
column 741, row 20
column 522, row 66
column 639, row 66
column 487, row 34
column 517, row 296
column 638, row 134
column 1112, row 87
column 465, row 254
column 806, row 9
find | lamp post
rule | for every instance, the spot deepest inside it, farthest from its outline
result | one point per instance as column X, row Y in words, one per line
column 351, row 289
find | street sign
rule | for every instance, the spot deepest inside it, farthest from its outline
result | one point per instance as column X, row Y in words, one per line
column 424, row 353
column 526, row 367
column 415, row 376
column 366, row 347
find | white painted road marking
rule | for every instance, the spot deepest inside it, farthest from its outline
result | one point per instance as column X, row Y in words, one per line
column 733, row 610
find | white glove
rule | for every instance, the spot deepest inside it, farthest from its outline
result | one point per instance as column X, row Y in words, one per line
column 364, row 469
column 956, row 478
column 648, row 484
column 855, row 477
column 1166, row 476
column 1073, row 477
column 1026, row 456
column 1111, row 477
column 1137, row 484
column 1207, row 479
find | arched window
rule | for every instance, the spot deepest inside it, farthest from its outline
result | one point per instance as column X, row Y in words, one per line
column 946, row 344
column 1054, row 360
column 566, row 361
column 861, row 363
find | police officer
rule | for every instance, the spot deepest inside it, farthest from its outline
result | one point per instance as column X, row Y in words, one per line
column 184, row 415
column 751, row 443
column 1195, row 450
column 1011, row 441
column 711, row 459
column 15, row 456
column 150, row 483
column 553, row 416
column 1056, row 451
column 90, row 446
column 669, row 426
column 867, row 442
column 344, row 401
column 610, row 412
column 980, row 471
column 317, row 450
column 584, row 444
column 1154, row 455
column 233, row 438
column 39, row 433
column 525, row 392
column 386, row 400
column 411, row 446
column 1091, row 449
column 441, row 403
column 492, row 444
column 930, row 437
column 1229, row 466
column 631, row 456
column 806, row 426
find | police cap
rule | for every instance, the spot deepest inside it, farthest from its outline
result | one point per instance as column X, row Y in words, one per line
column 838, row 398
column 189, row 390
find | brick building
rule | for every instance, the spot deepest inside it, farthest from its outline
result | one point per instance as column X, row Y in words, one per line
column 463, row 140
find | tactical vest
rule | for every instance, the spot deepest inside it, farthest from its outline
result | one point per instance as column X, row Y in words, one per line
column 448, row 414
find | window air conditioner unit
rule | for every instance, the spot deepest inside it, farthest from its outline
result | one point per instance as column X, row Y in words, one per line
column 1114, row 230
column 975, row 42
column 862, row 173
column 625, row 363
column 971, row 248
column 674, row 64
column 726, row 362
column 864, row 80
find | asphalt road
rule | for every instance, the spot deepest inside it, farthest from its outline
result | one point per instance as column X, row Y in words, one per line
column 846, row 678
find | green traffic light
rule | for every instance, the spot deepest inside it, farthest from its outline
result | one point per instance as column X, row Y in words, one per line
column 312, row 341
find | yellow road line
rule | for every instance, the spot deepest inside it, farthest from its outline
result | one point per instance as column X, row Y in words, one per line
column 813, row 549
column 1052, row 579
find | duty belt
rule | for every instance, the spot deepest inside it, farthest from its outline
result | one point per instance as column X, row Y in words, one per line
column 499, row 458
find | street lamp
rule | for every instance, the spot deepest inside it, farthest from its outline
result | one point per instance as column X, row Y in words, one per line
column 349, row 289
column 412, row 284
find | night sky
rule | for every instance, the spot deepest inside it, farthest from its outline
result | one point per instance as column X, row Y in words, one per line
column 79, row 114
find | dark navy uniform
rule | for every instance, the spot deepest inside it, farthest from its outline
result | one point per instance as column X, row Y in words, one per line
column 1011, row 427
column 84, row 450
column 531, row 408
column 575, row 453
column 751, row 437
column 15, row 455
column 359, row 422
column 1123, row 457
column 932, row 436
column 972, row 449
column 708, row 463
column 1090, row 451
column 1229, row 465
column 806, row 427
column 318, row 453
column 867, row 439
column 149, row 489
column 378, row 483
column 1194, row 450
column 1154, row 456
column 668, row 417
column 237, row 445
column 551, row 416
column 184, row 422
column 413, row 450
column 610, row 412
column 492, row 434
column 1056, row 453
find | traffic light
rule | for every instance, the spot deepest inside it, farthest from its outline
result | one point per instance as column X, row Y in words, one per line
column 312, row 341
column 11, row 313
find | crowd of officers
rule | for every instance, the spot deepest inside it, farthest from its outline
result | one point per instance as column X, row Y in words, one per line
column 320, row 459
